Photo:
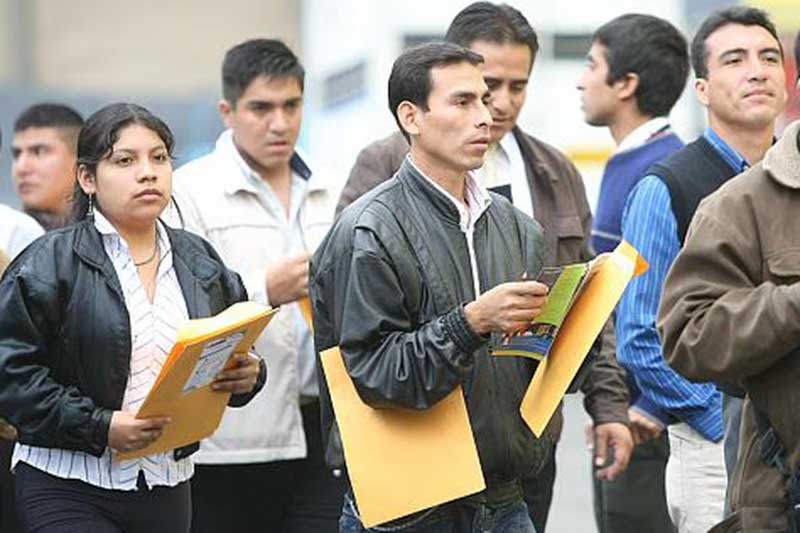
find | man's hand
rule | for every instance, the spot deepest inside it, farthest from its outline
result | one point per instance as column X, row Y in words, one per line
column 287, row 280
column 239, row 378
column 617, row 437
column 508, row 307
column 643, row 428
column 128, row 433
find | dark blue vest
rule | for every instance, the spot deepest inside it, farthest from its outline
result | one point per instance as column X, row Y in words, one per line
column 623, row 171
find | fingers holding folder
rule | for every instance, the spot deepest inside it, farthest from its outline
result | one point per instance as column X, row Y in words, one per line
column 126, row 433
column 241, row 375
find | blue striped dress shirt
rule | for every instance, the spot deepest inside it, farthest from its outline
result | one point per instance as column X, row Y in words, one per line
column 649, row 224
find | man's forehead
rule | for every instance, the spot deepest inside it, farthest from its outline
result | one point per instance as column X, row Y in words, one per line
column 458, row 78
column 38, row 136
column 272, row 89
column 738, row 36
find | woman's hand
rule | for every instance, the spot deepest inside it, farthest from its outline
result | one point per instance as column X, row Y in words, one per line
column 128, row 433
column 239, row 378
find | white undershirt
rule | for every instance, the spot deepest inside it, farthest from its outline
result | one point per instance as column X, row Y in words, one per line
column 477, row 202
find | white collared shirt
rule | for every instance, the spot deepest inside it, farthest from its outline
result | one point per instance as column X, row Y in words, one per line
column 17, row 230
column 642, row 134
column 153, row 327
column 224, row 201
column 476, row 202
column 507, row 169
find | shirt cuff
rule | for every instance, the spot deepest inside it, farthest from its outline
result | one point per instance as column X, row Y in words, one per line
column 256, row 284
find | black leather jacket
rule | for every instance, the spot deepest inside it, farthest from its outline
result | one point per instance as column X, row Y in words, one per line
column 65, row 340
column 388, row 286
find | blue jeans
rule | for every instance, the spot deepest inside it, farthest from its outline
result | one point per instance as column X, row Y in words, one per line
column 449, row 518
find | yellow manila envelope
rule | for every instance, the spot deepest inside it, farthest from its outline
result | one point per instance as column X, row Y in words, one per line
column 182, row 390
column 305, row 309
column 603, row 288
column 401, row 461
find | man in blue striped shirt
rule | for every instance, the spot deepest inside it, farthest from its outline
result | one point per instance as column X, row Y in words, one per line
column 738, row 64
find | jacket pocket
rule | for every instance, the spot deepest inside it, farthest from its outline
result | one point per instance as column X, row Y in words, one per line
column 570, row 236
column 783, row 268
column 569, row 226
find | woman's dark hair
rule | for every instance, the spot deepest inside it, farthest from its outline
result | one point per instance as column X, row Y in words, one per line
column 99, row 134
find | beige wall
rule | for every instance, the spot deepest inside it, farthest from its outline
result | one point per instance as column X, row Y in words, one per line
column 142, row 47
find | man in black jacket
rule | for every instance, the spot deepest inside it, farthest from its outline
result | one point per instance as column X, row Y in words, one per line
column 429, row 263
column 543, row 183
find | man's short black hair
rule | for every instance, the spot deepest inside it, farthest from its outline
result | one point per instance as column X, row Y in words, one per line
column 48, row 115
column 494, row 23
column 743, row 15
column 257, row 57
column 654, row 50
column 410, row 79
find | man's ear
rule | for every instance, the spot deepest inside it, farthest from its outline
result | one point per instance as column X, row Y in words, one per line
column 627, row 86
column 701, row 90
column 225, row 111
column 86, row 180
column 409, row 115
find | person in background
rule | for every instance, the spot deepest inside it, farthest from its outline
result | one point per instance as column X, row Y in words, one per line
column 740, row 80
column 88, row 316
column 17, row 230
column 43, row 167
column 265, row 208
column 635, row 72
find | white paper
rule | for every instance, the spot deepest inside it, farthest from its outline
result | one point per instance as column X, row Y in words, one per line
column 212, row 361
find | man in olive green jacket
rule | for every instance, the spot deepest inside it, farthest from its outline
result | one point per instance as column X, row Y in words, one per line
column 731, row 313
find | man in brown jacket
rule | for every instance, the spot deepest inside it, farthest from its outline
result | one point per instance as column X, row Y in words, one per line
column 544, row 184
column 731, row 313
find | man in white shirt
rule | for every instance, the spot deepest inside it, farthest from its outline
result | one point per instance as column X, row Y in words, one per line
column 258, row 202
column 17, row 230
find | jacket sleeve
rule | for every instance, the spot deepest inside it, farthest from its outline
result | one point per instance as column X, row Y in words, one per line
column 393, row 360
column 718, row 320
column 375, row 164
column 606, row 397
column 44, row 412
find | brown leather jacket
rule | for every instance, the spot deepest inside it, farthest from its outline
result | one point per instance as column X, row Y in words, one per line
column 561, row 208
column 731, row 312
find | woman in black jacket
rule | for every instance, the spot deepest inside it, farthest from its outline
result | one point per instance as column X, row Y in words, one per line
column 88, row 315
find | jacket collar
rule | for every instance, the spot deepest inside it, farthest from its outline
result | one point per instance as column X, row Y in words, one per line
column 782, row 161
column 421, row 186
column 89, row 247
column 241, row 177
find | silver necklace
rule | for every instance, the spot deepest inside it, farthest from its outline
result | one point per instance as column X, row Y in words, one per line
column 152, row 256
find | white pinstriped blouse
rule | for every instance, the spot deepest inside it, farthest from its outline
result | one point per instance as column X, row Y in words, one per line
column 153, row 329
